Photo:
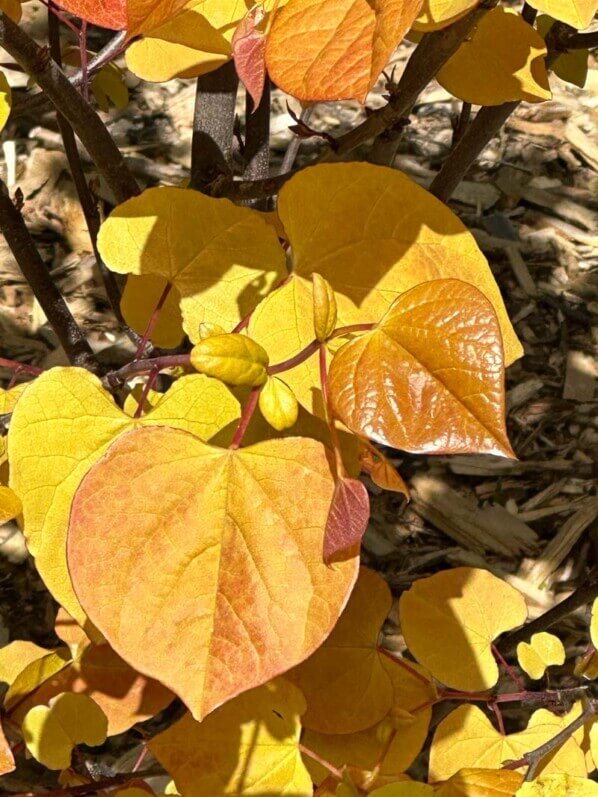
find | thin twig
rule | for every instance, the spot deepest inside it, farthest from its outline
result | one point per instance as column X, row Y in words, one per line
column 34, row 270
column 213, row 128
column 88, row 126
column 92, row 788
column 88, row 204
column 293, row 149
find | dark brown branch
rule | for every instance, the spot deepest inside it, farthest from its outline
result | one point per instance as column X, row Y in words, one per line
column 462, row 123
column 88, row 126
column 88, row 204
column 36, row 104
column 529, row 14
column 21, row 244
column 213, row 128
column 257, row 142
column 583, row 41
column 581, row 597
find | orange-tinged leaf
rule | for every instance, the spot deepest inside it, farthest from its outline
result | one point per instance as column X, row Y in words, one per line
column 220, row 257
column 430, row 377
column 125, row 696
column 348, row 517
column 138, row 302
column 7, row 761
column 481, row 783
column 206, row 631
column 503, row 61
column 345, row 683
column 249, row 746
column 69, row 630
column 436, row 14
column 577, row 13
column 322, row 50
column 233, row 358
column 134, row 16
column 373, row 234
column 51, row 733
column 10, row 505
column 466, row 738
column 411, row 693
column 542, row 651
column 75, row 420
column 450, row 620
column 382, row 472
column 249, row 51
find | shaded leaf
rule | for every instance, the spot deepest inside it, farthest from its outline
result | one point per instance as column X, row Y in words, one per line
column 345, row 683
column 348, row 517
column 249, row 51
column 450, row 620
column 436, row 14
column 382, row 472
column 430, row 377
column 75, row 420
column 248, row 746
column 7, row 761
column 481, row 783
column 570, row 66
column 206, row 631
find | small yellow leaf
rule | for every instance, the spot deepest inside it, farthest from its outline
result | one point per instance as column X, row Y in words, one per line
column 561, row 785
column 278, row 404
column 220, row 257
column 5, row 100
column 10, row 505
column 577, row 13
column 502, row 62
column 108, row 86
column 481, row 783
column 34, row 673
column 9, row 398
column 450, row 620
column 207, row 330
column 16, row 656
column 138, row 302
column 345, row 682
column 466, row 738
column 249, row 746
column 232, row 358
column 76, row 420
column 325, row 309
column 542, row 651
column 51, row 733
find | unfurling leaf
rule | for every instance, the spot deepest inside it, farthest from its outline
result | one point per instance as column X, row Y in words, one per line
column 10, row 505
column 382, row 472
column 348, row 517
column 208, row 330
column 250, row 746
column 75, row 421
column 220, row 258
column 466, row 738
column 413, row 691
column 450, row 620
column 325, row 309
column 430, row 377
column 322, row 50
column 542, row 651
column 577, row 13
column 278, row 404
column 249, row 52
column 5, row 100
column 171, row 608
column 232, row 358
column 345, row 683
column 502, row 62
column 561, row 785
column 51, row 733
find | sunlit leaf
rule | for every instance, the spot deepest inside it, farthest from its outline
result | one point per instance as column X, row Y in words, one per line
column 221, row 258
column 414, row 692
column 348, row 517
column 335, row 49
column 561, row 785
column 207, row 631
column 35, row 672
column 481, row 783
column 450, row 620
column 5, row 100
column 249, row 746
column 134, row 16
column 75, row 420
column 577, row 13
column 345, row 683
column 7, row 761
column 17, row 656
column 382, row 472
column 249, row 51
column 594, row 624
column 10, row 505
column 325, row 309
column 372, row 233
column 232, row 358
column 436, row 14
column 278, row 404
column 429, row 378
column 542, row 651
column 51, row 733
column 502, row 61
column 466, row 738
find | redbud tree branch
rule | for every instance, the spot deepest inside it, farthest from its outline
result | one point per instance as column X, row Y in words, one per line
column 88, row 126
column 17, row 236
